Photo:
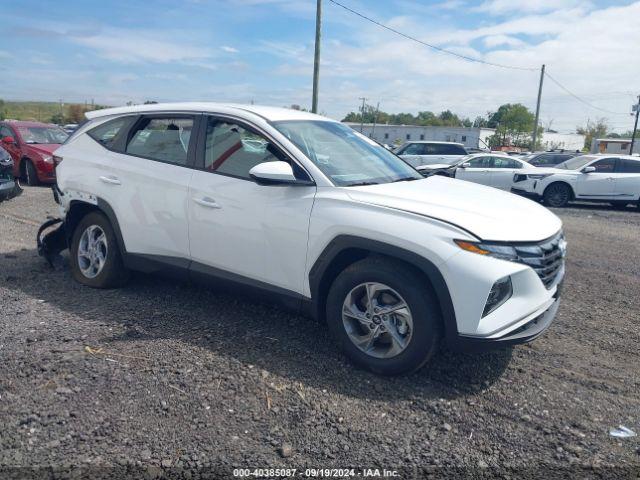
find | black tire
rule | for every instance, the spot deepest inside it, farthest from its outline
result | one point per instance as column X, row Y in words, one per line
column 417, row 294
column 113, row 273
column 30, row 173
column 557, row 195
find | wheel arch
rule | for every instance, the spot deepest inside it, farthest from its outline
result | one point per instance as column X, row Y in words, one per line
column 78, row 209
column 345, row 250
column 563, row 182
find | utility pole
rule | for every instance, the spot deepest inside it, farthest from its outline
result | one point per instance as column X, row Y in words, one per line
column 635, row 127
column 375, row 119
column 362, row 113
column 316, row 58
column 535, row 125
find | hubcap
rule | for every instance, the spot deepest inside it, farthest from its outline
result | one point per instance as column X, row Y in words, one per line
column 377, row 320
column 92, row 251
column 558, row 196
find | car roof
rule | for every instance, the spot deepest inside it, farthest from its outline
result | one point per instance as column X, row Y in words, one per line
column 268, row 113
column 26, row 123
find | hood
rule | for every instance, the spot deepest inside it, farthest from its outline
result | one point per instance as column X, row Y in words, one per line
column 544, row 170
column 488, row 213
column 46, row 148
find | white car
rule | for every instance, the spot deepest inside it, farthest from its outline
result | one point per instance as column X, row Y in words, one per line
column 491, row 169
column 434, row 155
column 595, row 178
column 313, row 213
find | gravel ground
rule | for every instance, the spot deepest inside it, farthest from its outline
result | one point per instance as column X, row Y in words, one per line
column 164, row 379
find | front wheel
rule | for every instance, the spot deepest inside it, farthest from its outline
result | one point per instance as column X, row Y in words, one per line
column 30, row 173
column 557, row 195
column 384, row 316
column 95, row 256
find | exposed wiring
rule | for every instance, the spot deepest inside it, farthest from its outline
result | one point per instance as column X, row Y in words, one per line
column 580, row 99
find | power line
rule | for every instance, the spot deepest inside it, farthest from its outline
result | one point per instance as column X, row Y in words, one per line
column 434, row 47
column 581, row 99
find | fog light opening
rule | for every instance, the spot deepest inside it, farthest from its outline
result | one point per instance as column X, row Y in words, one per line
column 500, row 293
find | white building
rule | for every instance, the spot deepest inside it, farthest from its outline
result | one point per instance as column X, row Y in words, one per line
column 621, row 146
column 564, row 141
column 398, row 134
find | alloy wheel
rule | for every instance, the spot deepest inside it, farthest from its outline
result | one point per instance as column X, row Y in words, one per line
column 92, row 251
column 377, row 320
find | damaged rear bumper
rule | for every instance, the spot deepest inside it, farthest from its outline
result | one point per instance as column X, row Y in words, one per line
column 52, row 242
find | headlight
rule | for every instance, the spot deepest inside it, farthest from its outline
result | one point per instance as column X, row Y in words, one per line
column 47, row 159
column 539, row 176
column 503, row 252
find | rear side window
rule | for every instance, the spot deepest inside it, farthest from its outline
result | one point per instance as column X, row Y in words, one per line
column 413, row 149
column 443, row 149
column 499, row 162
column 106, row 133
column 628, row 166
column 165, row 139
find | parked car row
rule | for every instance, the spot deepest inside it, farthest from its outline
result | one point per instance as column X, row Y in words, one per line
column 31, row 146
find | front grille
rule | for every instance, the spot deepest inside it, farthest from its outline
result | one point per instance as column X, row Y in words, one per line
column 545, row 258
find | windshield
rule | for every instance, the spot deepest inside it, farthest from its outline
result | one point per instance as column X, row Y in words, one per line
column 344, row 155
column 576, row 163
column 42, row 134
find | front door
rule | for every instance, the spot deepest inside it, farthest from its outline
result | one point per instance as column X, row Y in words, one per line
column 599, row 184
column 255, row 232
column 478, row 171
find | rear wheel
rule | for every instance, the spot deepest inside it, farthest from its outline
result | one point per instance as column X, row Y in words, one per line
column 384, row 316
column 95, row 257
column 557, row 195
column 30, row 173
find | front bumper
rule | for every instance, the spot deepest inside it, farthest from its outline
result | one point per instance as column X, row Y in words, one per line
column 523, row 334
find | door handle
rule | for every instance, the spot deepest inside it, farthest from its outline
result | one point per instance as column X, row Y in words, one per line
column 110, row 179
column 207, row 202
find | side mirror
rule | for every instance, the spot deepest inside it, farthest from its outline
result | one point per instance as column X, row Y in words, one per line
column 275, row 173
column 465, row 165
column 8, row 140
column 588, row 169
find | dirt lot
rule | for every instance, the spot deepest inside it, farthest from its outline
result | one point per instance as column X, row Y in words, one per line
column 171, row 379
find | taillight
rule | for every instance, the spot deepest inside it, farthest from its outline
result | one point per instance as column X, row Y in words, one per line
column 56, row 160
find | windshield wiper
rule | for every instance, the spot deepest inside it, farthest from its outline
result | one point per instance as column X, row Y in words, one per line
column 362, row 184
column 405, row 179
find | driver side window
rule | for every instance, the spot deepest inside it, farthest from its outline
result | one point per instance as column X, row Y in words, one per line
column 606, row 165
column 231, row 149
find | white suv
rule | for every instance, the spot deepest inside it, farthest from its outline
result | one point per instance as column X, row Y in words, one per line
column 593, row 178
column 314, row 213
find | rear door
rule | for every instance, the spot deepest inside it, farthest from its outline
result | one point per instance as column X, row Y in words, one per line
column 504, row 168
column 627, row 179
column 147, row 181
column 412, row 154
column 479, row 171
column 599, row 184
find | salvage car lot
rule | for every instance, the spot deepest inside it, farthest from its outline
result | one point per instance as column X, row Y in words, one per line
column 160, row 375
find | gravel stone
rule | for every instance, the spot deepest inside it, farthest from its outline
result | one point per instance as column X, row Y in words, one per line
column 273, row 379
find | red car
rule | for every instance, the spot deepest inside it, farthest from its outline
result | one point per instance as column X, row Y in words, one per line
column 31, row 145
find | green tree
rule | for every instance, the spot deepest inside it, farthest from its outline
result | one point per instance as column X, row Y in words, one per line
column 513, row 124
column 2, row 110
column 594, row 129
column 57, row 118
